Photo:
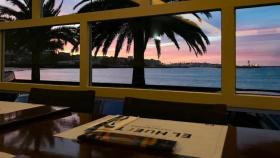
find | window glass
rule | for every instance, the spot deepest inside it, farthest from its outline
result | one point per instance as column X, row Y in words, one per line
column 154, row 52
column 19, row 10
column 258, row 56
column 67, row 7
column 48, row 53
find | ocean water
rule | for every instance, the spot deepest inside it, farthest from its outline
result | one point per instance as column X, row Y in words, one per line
column 265, row 78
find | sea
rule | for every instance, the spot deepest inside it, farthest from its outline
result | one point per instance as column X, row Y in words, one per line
column 254, row 79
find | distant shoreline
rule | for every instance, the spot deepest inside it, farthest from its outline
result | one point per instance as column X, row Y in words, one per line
column 156, row 67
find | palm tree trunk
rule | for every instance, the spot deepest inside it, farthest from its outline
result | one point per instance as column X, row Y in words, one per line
column 35, row 76
column 138, row 78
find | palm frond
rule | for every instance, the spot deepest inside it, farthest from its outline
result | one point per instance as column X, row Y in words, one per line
column 58, row 9
column 80, row 3
column 124, row 33
column 104, row 32
column 6, row 11
column 49, row 8
column 172, row 37
column 22, row 6
column 28, row 3
column 98, row 5
column 207, row 14
column 107, row 43
column 119, row 43
column 97, row 49
column 6, row 18
column 191, row 33
column 49, row 4
column 129, row 42
column 56, row 44
column 66, row 34
column 39, row 38
column 98, row 42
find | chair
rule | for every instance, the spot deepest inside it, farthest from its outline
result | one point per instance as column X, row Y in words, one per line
column 190, row 112
column 8, row 96
column 78, row 101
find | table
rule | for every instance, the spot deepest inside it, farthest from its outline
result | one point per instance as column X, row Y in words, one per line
column 35, row 139
column 13, row 113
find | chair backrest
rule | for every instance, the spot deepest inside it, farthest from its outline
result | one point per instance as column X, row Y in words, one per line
column 78, row 101
column 190, row 112
column 8, row 96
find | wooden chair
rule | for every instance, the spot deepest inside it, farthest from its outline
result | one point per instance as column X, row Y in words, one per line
column 190, row 112
column 78, row 101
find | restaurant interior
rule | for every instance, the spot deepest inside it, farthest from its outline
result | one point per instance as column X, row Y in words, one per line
column 148, row 116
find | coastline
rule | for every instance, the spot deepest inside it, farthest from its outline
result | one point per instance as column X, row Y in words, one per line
column 165, row 66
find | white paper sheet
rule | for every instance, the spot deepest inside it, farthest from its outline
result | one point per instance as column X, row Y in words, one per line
column 193, row 139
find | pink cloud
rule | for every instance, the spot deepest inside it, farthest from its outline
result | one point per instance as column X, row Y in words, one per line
column 170, row 54
column 258, row 32
column 260, row 46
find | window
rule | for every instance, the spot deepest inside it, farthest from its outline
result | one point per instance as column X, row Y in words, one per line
column 74, row 6
column 48, row 53
column 174, row 55
column 15, row 11
column 258, row 56
column 256, row 61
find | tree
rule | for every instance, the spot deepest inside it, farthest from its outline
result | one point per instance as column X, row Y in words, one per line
column 139, row 31
column 39, row 39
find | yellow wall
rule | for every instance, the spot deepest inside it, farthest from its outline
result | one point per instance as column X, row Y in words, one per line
column 226, row 96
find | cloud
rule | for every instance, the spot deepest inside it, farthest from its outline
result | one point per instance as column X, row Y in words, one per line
column 258, row 32
column 260, row 46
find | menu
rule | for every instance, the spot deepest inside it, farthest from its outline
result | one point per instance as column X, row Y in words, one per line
column 192, row 139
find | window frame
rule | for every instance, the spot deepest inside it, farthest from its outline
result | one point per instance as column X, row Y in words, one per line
column 227, row 95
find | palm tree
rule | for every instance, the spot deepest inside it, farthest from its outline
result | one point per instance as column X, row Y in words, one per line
column 39, row 39
column 139, row 31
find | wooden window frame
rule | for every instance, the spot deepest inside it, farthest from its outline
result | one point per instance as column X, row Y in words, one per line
column 227, row 95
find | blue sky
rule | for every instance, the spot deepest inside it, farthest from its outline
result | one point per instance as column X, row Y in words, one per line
column 260, row 17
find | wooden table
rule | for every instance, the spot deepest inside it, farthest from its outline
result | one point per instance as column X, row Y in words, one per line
column 35, row 139
column 13, row 113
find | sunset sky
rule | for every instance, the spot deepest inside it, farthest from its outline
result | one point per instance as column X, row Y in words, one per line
column 258, row 38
